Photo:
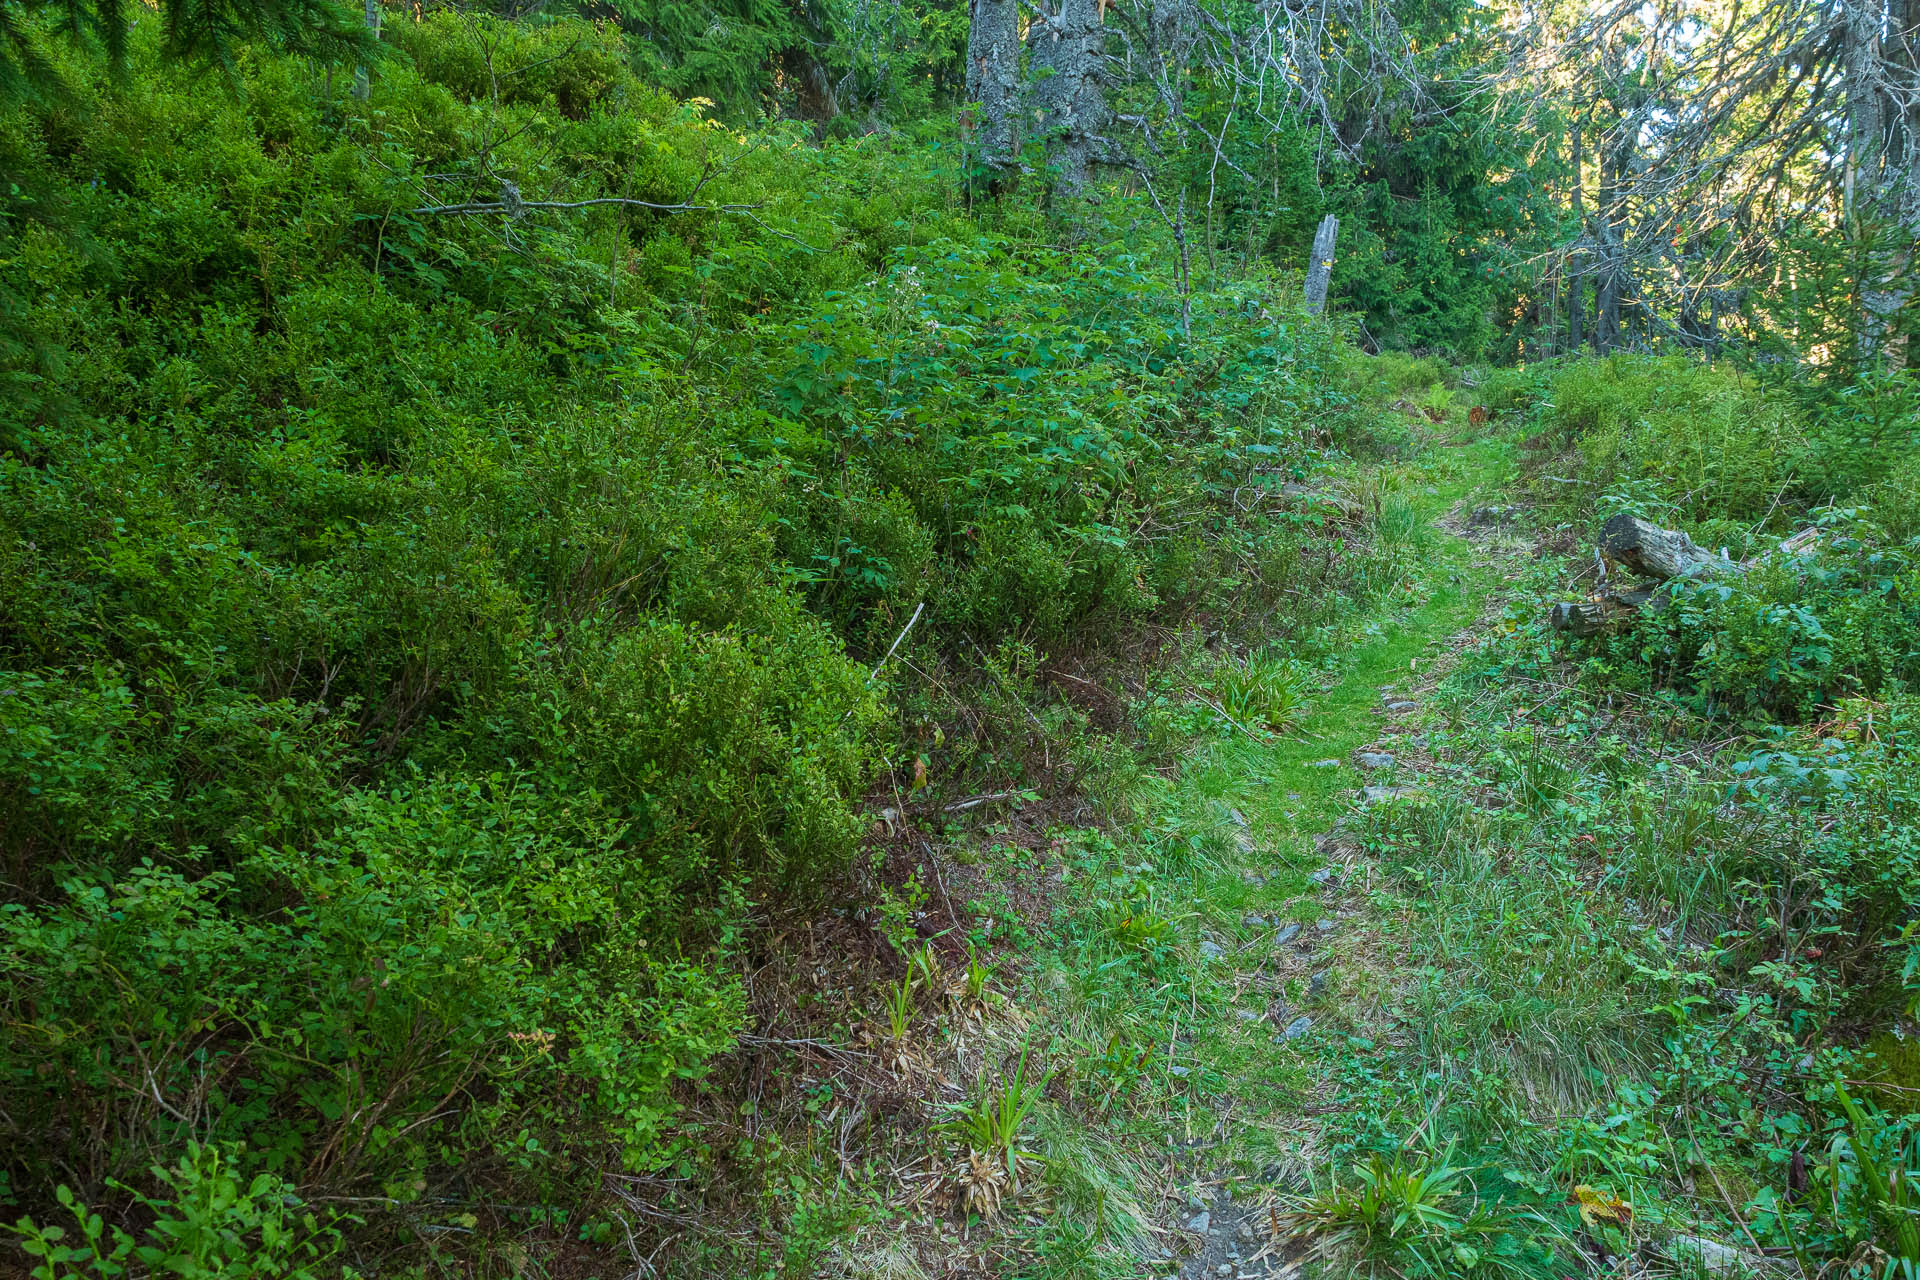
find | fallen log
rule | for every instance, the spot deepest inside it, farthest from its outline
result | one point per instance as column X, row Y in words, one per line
column 1643, row 547
column 1607, row 611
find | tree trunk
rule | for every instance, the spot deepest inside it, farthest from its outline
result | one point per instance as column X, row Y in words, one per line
column 1867, row 194
column 993, row 86
column 1901, row 60
column 814, row 96
column 1907, row 262
column 1064, row 48
column 1652, row 552
column 1616, row 170
column 1607, row 613
column 362, row 77
column 1176, row 25
column 1865, row 109
column 1606, row 306
column 1320, row 266
column 1576, row 285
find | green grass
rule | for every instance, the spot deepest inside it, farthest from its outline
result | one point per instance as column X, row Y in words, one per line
column 1161, row 1039
column 1552, row 981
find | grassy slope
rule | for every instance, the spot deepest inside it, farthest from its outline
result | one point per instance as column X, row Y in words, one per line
column 1289, row 799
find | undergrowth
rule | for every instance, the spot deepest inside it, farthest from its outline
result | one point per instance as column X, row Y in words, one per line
column 439, row 647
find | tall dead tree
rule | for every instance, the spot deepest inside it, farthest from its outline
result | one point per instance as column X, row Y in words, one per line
column 1737, row 123
column 993, row 87
column 1175, row 27
column 1344, row 65
column 1901, row 51
column 362, row 77
column 1320, row 266
column 1576, row 283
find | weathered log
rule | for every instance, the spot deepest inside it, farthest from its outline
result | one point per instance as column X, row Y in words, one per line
column 1608, row 611
column 1653, row 552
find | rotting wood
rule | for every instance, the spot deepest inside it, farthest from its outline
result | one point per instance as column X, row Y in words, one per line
column 1320, row 265
column 1604, row 612
column 1650, row 551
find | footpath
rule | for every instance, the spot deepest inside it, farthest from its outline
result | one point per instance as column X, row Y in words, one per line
column 1285, row 940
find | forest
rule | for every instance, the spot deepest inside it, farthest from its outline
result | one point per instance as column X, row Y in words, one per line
column 960, row 638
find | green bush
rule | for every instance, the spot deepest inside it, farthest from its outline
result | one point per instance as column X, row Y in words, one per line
column 1798, row 633
column 1707, row 439
column 1679, row 440
column 1860, row 431
column 426, row 640
column 207, row 1225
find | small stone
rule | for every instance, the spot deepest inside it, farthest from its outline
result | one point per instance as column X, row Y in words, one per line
column 1720, row 1260
column 1247, row 1015
column 1292, row 795
column 1317, row 984
column 1324, row 926
column 1374, row 759
column 1323, row 877
column 1287, row 934
column 1252, row 921
column 1246, row 1231
column 1298, row 1027
column 1202, row 1222
column 1402, row 705
column 1224, row 1269
column 1374, row 795
column 1180, row 1072
column 1324, row 764
column 1239, row 818
column 1211, row 950
column 1253, row 878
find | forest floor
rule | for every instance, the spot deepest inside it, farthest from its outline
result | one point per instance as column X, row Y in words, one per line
column 1380, row 983
column 1298, row 968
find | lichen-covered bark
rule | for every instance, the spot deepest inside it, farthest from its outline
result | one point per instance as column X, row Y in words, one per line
column 993, row 87
column 1892, row 299
column 1320, row 266
column 1064, row 47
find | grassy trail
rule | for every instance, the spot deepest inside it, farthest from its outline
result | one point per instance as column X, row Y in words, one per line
column 1263, row 1033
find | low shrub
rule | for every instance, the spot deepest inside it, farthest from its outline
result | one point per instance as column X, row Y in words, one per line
column 1682, row 441
column 428, row 638
column 1796, row 634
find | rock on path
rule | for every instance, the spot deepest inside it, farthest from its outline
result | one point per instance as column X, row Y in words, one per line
column 1230, row 1237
